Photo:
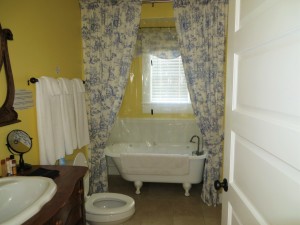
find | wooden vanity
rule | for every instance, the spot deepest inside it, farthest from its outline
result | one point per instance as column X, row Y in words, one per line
column 67, row 205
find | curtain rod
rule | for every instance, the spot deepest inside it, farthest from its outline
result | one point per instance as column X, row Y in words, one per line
column 140, row 28
column 33, row 80
column 155, row 1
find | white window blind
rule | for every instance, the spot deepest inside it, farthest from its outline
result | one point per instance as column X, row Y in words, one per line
column 168, row 83
column 164, row 86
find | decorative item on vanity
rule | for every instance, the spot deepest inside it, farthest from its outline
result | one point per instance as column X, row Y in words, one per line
column 104, row 208
column 8, row 166
column 19, row 142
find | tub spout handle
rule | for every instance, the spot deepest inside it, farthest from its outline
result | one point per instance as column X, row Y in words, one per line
column 198, row 152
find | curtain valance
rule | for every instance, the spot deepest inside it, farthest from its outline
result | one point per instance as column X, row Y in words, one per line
column 90, row 4
column 183, row 3
column 161, row 42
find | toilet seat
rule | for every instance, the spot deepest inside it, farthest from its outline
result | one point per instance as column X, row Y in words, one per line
column 123, row 206
column 92, row 209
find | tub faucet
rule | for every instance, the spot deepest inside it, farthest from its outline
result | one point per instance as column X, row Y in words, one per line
column 198, row 146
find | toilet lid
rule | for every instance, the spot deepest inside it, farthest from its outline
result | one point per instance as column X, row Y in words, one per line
column 80, row 160
column 92, row 208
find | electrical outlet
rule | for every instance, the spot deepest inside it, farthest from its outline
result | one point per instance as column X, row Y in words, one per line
column 57, row 70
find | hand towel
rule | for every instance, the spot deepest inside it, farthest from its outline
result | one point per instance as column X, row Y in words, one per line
column 49, row 120
column 81, row 122
column 68, row 114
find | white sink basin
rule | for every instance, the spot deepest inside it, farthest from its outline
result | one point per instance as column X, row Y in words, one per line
column 22, row 197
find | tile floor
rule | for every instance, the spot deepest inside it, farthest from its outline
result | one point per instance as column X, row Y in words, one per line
column 165, row 204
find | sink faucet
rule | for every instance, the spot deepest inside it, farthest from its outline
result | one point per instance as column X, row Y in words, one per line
column 198, row 146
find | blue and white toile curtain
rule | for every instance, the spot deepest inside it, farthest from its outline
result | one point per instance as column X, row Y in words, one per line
column 201, row 27
column 109, row 32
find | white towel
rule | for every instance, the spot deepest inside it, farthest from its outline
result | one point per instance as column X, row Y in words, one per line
column 68, row 114
column 49, row 120
column 81, row 122
column 155, row 164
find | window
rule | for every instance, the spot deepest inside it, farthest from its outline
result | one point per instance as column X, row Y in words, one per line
column 164, row 86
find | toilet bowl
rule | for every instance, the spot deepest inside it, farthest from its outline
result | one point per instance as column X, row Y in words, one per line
column 104, row 208
column 109, row 208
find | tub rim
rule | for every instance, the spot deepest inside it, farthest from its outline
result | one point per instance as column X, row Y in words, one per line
column 107, row 151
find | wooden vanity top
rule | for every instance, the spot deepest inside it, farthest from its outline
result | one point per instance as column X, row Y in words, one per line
column 66, row 181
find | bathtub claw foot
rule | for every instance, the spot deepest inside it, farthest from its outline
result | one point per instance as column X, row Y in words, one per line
column 187, row 187
column 138, row 185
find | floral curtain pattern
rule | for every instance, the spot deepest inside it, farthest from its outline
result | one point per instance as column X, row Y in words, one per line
column 109, row 33
column 201, row 27
column 161, row 42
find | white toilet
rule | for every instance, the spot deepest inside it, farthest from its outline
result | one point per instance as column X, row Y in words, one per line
column 104, row 208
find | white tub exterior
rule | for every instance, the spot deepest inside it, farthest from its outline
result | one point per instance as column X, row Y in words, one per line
column 196, row 163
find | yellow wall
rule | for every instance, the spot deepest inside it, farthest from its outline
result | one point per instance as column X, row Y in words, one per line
column 132, row 102
column 46, row 36
column 157, row 10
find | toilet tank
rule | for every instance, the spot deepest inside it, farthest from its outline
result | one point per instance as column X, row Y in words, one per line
column 80, row 160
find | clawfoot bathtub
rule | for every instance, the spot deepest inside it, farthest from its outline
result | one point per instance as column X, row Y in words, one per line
column 165, row 163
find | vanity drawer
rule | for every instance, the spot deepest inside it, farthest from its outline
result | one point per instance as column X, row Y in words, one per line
column 73, row 210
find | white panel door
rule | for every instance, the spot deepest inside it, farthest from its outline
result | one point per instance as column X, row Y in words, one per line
column 262, row 125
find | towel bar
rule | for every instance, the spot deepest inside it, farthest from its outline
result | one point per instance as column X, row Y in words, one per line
column 33, row 80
